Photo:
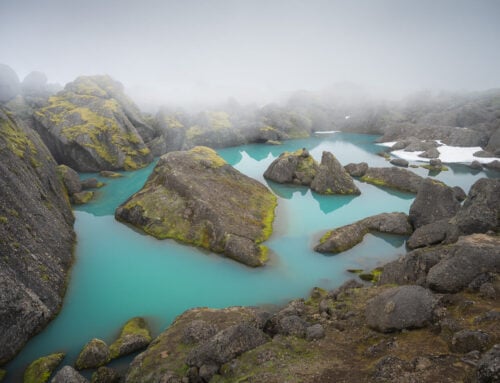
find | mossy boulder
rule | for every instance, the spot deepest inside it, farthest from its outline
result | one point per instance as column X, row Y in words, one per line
column 332, row 178
column 394, row 178
column 40, row 370
column 36, row 235
column 346, row 237
column 110, row 174
column 105, row 375
column 134, row 336
column 70, row 179
column 68, row 374
column 298, row 167
column 94, row 354
column 91, row 125
column 82, row 197
column 197, row 198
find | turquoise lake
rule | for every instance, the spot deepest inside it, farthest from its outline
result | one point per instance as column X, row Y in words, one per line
column 120, row 273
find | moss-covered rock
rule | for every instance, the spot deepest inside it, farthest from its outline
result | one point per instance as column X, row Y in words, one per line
column 332, row 178
column 298, row 168
column 394, row 178
column 40, row 370
column 196, row 197
column 70, row 179
column 110, row 174
column 105, row 375
column 36, row 235
column 134, row 336
column 82, row 197
column 94, row 354
column 91, row 125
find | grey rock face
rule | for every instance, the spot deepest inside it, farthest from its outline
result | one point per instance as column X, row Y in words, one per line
column 292, row 325
column 70, row 179
column 332, row 178
column 399, row 162
column 493, row 165
column 315, row 332
column 356, row 170
column 469, row 340
column 226, row 345
column 395, row 178
column 68, row 374
column 297, row 168
column 198, row 331
column 494, row 142
column 400, row 308
column 36, row 236
column 430, row 153
column 105, row 375
column 434, row 201
column 9, row 83
column 488, row 368
column 94, row 354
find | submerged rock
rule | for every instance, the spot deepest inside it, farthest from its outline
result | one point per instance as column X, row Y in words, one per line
column 134, row 336
column 36, row 236
column 346, row 237
column 395, row 178
column 399, row 308
column 91, row 125
column 298, row 167
column 40, row 370
column 196, row 197
column 94, row 354
column 332, row 178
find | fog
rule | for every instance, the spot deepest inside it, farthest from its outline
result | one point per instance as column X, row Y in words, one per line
column 180, row 51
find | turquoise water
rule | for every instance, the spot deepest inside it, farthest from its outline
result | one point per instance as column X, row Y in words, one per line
column 120, row 273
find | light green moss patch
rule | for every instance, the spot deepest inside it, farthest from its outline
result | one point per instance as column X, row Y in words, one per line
column 3, row 219
column 40, row 370
column 17, row 141
column 202, row 153
column 134, row 327
column 373, row 180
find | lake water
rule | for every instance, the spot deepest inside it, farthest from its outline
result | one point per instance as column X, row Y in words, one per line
column 120, row 273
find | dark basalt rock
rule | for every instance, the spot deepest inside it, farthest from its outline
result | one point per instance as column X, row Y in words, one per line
column 356, row 170
column 296, row 168
column 332, row 178
column 91, row 125
column 68, row 374
column 402, row 307
column 434, row 201
column 36, row 236
column 345, row 237
column 196, row 197
column 394, row 178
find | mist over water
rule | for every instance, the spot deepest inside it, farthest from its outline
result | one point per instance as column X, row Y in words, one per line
column 206, row 51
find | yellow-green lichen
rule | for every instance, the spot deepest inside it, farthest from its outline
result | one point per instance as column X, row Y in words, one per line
column 373, row 180
column 3, row 219
column 40, row 370
column 17, row 141
column 203, row 153
column 134, row 327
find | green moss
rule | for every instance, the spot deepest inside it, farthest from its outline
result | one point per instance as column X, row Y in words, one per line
column 40, row 370
column 2, row 374
column 135, row 326
column 435, row 168
column 82, row 197
column 325, row 237
column 373, row 180
column 17, row 141
column 219, row 120
column 373, row 276
column 3, row 219
column 263, row 254
column 202, row 153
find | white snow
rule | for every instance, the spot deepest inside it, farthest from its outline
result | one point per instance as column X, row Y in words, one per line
column 347, row 117
column 448, row 154
column 327, row 132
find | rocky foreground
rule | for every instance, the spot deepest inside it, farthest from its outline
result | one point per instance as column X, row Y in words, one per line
column 197, row 198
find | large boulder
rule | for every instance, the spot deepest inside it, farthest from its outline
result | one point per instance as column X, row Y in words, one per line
column 91, row 125
column 40, row 370
column 36, row 236
column 394, row 178
column 68, row 374
column 70, row 178
column 134, row 336
column 196, row 197
column 298, row 167
column 345, row 237
column 434, row 201
column 9, row 83
column 94, row 354
column 356, row 170
column 403, row 307
column 332, row 178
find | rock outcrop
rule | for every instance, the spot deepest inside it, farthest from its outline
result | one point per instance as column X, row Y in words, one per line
column 91, row 125
column 134, row 336
column 356, row 170
column 332, row 178
column 94, row 354
column 346, row 237
column 36, row 236
column 293, row 168
column 68, row 374
column 40, row 370
column 394, row 178
column 196, row 197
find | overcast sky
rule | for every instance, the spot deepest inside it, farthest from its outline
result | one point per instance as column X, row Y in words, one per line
column 184, row 49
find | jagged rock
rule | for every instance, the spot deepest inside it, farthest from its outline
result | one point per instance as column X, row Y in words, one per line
column 493, row 165
column 469, row 257
column 70, row 179
column 9, row 83
column 91, row 125
column 91, row 183
column 196, row 197
column 36, row 236
column 434, row 201
column 226, row 345
column 298, row 167
column 345, row 237
column 134, row 336
column 105, row 375
column 399, row 162
column 395, row 178
column 314, row 332
column 40, row 370
column 481, row 209
column 488, row 367
column 402, row 307
column 94, row 354
column 332, row 177
column 430, row 153
column 466, row 341
column 68, row 374
column 356, row 170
